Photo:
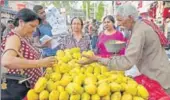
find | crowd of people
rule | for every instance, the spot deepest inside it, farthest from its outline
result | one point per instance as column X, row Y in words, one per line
column 24, row 53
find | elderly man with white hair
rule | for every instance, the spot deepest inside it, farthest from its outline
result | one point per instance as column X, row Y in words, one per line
column 145, row 48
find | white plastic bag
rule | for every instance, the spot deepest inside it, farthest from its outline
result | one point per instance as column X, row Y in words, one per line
column 133, row 72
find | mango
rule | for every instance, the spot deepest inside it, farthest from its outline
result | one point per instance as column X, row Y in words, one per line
column 40, row 85
column 32, row 95
column 44, row 95
column 103, row 89
column 54, row 95
column 90, row 89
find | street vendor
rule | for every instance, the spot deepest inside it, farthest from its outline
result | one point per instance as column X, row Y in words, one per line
column 145, row 48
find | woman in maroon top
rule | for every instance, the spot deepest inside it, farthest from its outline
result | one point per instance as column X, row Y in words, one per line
column 19, row 56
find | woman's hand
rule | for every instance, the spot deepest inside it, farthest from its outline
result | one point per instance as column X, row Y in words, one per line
column 47, row 62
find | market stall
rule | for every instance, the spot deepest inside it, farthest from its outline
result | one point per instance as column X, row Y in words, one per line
column 68, row 80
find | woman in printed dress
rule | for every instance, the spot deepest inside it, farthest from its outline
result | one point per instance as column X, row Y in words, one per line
column 19, row 56
column 76, row 38
column 110, row 33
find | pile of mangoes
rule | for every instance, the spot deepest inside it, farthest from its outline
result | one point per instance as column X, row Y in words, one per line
column 68, row 80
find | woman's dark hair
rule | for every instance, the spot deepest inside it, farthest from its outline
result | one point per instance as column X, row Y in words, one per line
column 26, row 15
column 111, row 18
column 79, row 19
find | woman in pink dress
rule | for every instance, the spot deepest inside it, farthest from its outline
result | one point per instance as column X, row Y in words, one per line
column 20, row 57
column 110, row 33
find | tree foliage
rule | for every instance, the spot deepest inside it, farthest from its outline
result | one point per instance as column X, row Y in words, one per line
column 87, row 5
column 68, row 5
column 100, row 11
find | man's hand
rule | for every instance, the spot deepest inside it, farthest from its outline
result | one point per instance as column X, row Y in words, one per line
column 91, row 59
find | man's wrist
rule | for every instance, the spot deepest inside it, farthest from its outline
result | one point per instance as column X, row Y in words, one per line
column 97, row 58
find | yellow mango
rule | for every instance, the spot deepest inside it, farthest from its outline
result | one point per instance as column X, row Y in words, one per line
column 74, row 88
column 97, row 70
column 40, row 85
column 75, row 50
column 60, row 88
column 54, row 95
column 32, row 95
column 90, row 80
column 85, row 96
column 142, row 92
column 75, row 97
column 55, row 76
column 103, row 69
column 103, row 89
column 77, row 55
column 89, row 53
column 66, row 79
column 95, row 97
column 65, row 68
column 115, row 87
column 137, row 98
column 90, row 89
column 116, row 96
column 132, row 89
column 56, row 68
column 49, row 70
column 51, row 86
column 44, row 95
column 127, row 96
column 89, row 69
column 64, row 96
column 106, row 97
column 79, row 79
column 60, row 53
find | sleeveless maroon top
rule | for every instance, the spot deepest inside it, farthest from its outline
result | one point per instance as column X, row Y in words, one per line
column 28, row 52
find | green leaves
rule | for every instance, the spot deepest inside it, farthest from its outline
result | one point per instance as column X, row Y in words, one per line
column 100, row 11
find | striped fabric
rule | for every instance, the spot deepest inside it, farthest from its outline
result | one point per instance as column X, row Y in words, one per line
column 160, row 34
column 70, row 42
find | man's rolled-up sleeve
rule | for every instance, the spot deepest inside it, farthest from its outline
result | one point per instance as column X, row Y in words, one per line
column 132, row 55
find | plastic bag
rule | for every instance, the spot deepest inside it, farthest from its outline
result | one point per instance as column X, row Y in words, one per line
column 133, row 72
column 156, row 92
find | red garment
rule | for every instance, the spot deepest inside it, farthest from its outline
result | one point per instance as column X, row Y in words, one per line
column 156, row 92
column 166, row 13
column 103, row 38
column 140, row 4
column 160, row 34
column 152, row 12
column 118, row 3
column 28, row 52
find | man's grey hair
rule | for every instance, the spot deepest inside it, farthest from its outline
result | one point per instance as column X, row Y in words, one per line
column 126, row 10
